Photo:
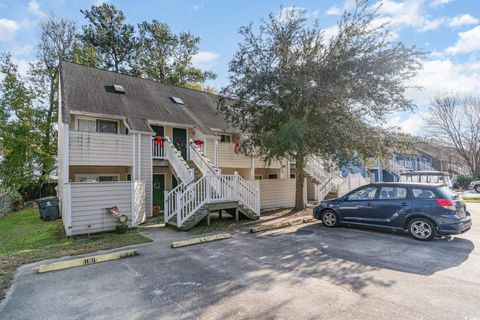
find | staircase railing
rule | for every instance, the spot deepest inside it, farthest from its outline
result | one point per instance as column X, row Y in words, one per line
column 213, row 188
column 202, row 162
column 179, row 165
column 316, row 169
column 325, row 188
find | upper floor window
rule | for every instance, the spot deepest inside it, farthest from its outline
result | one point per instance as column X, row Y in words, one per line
column 107, row 126
column 102, row 126
column 226, row 138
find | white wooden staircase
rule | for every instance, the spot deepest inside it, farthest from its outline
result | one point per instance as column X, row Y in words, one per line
column 194, row 198
column 322, row 178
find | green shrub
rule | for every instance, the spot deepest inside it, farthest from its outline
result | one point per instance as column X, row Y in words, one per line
column 464, row 181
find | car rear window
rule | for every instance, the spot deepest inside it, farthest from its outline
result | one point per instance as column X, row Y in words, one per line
column 448, row 193
column 393, row 193
column 423, row 193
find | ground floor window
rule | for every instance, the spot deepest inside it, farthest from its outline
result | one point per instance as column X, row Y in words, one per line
column 292, row 175
column 273, row 176
column 258, row 177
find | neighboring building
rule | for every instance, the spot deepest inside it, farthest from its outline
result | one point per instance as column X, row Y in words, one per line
column 398, row 163
column 140, row 145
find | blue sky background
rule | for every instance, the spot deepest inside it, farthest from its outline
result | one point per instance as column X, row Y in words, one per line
column 448, row 29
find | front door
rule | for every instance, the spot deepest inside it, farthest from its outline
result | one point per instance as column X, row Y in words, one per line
column 180, row 140
column 158, row 189
column 159, row 132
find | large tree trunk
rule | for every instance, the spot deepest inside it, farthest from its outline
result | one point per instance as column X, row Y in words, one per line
column 299, row 183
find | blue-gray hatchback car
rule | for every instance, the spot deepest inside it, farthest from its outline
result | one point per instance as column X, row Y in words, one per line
column 422, row 210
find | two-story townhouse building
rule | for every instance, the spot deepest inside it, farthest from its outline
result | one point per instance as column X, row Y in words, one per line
column 141, row 146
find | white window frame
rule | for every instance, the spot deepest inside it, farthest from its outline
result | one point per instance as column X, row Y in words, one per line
column 225, row 135
column 97, row 176
column 95, row 119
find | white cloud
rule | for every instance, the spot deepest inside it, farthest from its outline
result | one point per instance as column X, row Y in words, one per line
column 23, row 65
column 34, row 8
column 442, row 76
column 467, row 42
column 436, row 3
column 204, row 57
column 412, row 123
column 408, row 13
column 333, row 11
column 197, row 6
column 463, row 20
column 7, row 29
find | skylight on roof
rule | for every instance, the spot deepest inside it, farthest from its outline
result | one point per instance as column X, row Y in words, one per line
column 177, row 100
column 118, row 88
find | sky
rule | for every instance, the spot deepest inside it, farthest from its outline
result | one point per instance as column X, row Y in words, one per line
column 448, row 30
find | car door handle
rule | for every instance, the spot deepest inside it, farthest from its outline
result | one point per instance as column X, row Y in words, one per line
column 369, row 204
column 404, row 204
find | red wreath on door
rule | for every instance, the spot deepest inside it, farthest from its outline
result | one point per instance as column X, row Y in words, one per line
column 236, row 149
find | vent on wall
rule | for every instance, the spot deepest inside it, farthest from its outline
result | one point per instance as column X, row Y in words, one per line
column 118, row 88
column 177, row 100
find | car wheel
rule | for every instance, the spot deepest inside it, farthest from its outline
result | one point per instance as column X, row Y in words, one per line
column 477, row 188
column 330, row 218
column 422, row 229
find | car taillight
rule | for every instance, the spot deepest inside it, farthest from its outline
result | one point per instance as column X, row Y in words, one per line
column 447, row 204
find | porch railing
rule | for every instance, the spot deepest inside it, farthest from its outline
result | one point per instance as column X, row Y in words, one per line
column 158, row 150
column 202, row 162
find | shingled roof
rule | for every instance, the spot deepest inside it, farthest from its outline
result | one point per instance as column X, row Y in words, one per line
column 89, row 90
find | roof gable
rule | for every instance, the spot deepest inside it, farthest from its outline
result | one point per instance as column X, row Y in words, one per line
column 87, row 89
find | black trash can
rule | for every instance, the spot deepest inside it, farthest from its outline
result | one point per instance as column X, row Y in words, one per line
column 48, row 208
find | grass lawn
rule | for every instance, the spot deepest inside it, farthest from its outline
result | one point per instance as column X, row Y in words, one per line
column 24, row 238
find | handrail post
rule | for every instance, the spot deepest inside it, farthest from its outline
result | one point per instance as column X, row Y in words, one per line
column 237, row 185
column 165, row 206
column 179, row 208
column 208, row 186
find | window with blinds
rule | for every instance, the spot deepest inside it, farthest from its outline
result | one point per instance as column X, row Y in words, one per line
column 87, row 125
column 102, row 126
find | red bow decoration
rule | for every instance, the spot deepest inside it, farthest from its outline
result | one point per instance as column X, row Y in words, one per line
column 159, row 141
column 236, row 149
column 198, row 142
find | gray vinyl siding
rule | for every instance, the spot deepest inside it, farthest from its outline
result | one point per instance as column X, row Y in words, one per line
column 88, row 148
column 89, row 203
column 146, row 171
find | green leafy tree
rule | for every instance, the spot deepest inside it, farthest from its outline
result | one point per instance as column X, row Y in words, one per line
column 57, row 37
column 167, row 57
column 84, row 53
column 299, row 94
column 113, row 38
column 20, row 137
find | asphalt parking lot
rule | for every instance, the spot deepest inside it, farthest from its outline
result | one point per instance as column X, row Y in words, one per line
column 301, row 272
